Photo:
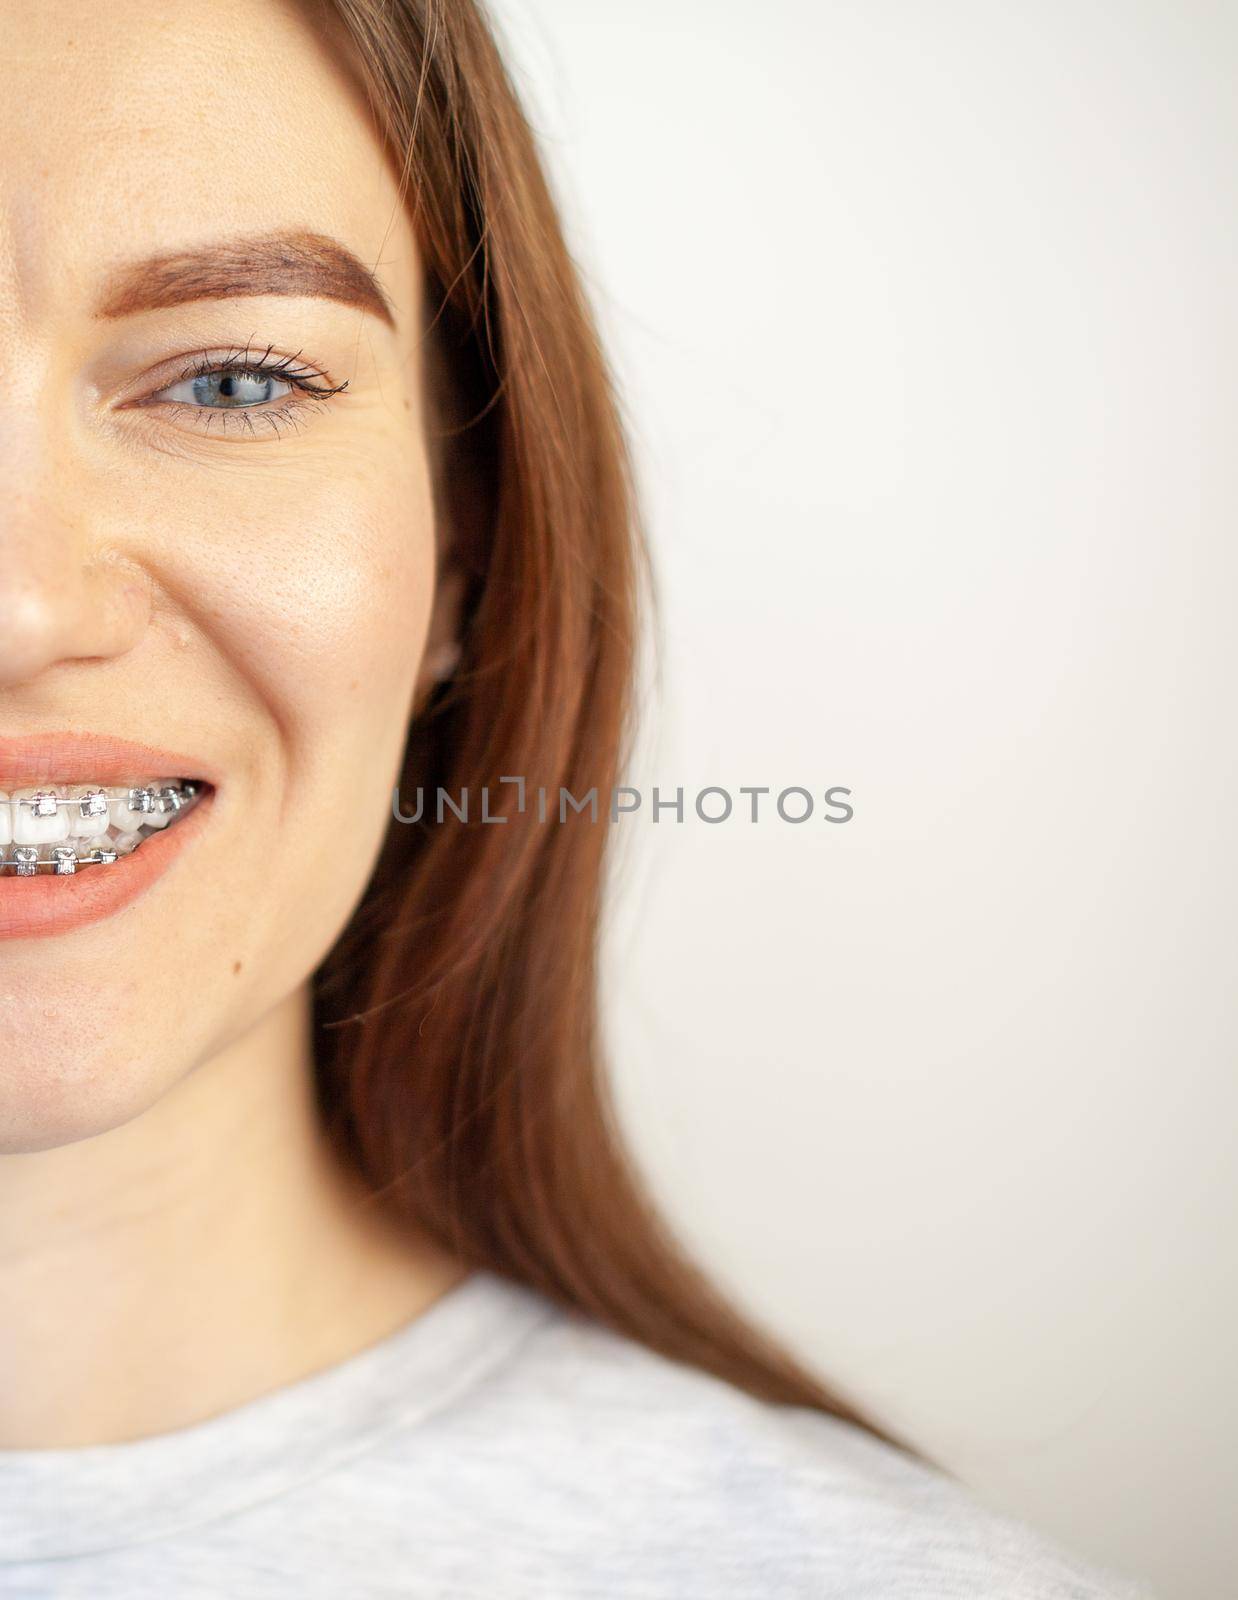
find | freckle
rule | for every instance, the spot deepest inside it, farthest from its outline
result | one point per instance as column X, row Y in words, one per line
column 236, row 967
column 353, row 684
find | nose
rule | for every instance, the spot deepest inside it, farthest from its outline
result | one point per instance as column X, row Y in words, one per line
column 63, row 597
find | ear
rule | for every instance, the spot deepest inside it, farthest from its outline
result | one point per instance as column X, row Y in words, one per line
column 460, row 481
column 442, row 650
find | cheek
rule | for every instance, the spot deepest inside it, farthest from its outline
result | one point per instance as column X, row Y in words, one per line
column 321, row 610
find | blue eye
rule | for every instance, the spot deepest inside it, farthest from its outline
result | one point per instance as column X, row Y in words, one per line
column 227, row 388
column 250, row 393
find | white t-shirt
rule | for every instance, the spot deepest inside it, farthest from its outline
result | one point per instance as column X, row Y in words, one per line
column 498, row 1448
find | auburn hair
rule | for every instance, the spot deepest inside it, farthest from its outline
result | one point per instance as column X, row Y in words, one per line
column 459, row 1068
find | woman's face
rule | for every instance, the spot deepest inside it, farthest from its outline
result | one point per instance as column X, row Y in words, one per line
column 204, row 560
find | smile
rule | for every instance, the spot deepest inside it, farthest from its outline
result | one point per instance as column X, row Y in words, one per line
column 90, row 824
column 59, row 828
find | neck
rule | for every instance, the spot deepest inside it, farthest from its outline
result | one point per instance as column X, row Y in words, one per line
column 206, row 1252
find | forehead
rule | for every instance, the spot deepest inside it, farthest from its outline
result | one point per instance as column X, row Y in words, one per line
column 130, row 128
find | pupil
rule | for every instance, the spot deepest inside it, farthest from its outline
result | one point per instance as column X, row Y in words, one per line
column 232, row 388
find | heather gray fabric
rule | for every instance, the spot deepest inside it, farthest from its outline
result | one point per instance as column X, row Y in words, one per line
column 499, row 1449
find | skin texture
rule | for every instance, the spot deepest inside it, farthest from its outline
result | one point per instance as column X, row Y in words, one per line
column 262, row 598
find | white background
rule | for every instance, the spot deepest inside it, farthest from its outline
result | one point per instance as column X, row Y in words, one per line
column 924, row 316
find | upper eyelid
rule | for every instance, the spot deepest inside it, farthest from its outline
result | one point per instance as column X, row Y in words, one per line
column 186, row 361
column 248, row 360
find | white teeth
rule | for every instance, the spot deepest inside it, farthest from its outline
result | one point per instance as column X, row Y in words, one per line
column 124, row 816
column 63, row 828
column 29, row 827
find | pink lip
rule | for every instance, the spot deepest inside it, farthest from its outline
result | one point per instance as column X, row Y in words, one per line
column 33, row 908
column 92, row 757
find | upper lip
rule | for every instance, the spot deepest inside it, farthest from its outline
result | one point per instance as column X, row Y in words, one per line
column 82, row 758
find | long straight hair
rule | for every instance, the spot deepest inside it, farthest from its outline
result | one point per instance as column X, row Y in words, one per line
column 458, row 1060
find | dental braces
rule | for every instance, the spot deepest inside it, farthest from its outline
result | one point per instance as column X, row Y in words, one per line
column 25, row 860
column 95, row 802
column 63, row 860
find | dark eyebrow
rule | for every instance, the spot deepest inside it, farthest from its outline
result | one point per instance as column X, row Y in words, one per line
column 270, row 263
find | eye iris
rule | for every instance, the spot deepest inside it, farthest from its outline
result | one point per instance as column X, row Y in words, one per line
column 233, row 388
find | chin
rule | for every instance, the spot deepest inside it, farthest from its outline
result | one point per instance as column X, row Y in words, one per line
column 61, row 1083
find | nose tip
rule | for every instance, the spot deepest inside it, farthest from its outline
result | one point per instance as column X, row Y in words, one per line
column 57, row 611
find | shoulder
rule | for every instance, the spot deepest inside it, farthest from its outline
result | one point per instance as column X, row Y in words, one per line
column 729, row 1495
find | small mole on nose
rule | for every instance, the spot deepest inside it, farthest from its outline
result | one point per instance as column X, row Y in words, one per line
column 236, row 967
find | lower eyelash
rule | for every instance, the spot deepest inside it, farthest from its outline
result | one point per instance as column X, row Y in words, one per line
column 287, row 413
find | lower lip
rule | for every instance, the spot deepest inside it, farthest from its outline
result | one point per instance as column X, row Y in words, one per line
column 34, row 908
